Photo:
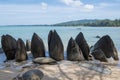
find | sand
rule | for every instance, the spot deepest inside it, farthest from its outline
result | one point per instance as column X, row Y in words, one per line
column 63, row 70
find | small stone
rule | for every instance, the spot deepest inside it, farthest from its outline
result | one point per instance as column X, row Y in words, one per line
column 44, row 60
column 34, row 74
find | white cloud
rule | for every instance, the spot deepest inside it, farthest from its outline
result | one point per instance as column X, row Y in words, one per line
column 89, row 7
column 78, row 4
column 104, row 5
column 44, row 5
column 72, row 2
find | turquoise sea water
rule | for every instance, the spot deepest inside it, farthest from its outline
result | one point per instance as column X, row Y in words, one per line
column 26, row 32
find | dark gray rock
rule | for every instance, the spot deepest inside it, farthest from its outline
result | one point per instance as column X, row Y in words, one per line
column 97, row 36
column 28, row 45
column 34, row 74
column 98, row 54
column 82, row 43
column 9, row 46
column 73, row 51
column 55, row 46
column 107, row 46
column 37, row 46
column 44, row 60
column 21, row 54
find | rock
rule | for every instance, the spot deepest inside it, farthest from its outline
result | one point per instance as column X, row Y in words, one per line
column 44, row 60
column 21, row 54
column 83, row 45
column 98, row 54
column 1, row 50
column 37, row 46
column 73, row 51
column 28, row 45
column 55, row 46
column 107, row 46
column 9, row 45
column 97, row 36
column 33, row 74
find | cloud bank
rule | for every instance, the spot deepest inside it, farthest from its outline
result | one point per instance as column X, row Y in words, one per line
column 78, row 4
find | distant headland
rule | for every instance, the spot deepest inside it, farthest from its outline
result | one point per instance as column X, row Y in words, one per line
column 91, row 22
column 83, row 22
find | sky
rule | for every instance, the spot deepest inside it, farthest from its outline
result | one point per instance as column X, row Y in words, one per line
column 30, row 12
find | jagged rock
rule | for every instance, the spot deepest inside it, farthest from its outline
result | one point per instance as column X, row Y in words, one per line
column 83, row 45
column 107, row 46
column 33, row 74
column 44, row 60
column 98, row 54
column 28, row 45
column 55, row 46
column 21, row 54
column 73, row 51
column 9, row 45
column 37, row 46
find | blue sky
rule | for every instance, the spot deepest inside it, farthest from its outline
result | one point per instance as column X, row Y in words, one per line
column 17, row 12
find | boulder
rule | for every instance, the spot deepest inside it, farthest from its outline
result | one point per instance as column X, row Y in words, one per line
column 28, row 45
column 21, row 54
column 9, row 46
column 33, row 74
column 107, row 46
column 73, row 51
column 55, row 46
column 37, row 46
column 44, row 60
column 98, row 54
column 82, row 43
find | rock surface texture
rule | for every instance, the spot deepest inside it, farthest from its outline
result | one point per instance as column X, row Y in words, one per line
column 21, row 54
column 9, row 45
column 33, row 74
column 99, row 55
column 82, row 43
column 107, row 46
column 55, row 46
column 37, row 46
column 28, row 45
column 73, row 51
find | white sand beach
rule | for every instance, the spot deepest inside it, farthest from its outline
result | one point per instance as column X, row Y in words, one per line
column 64, row 70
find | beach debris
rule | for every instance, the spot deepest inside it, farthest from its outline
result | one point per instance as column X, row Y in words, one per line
column 99, row 55
column 55, row 46
column 21, row 54
column 107, row 46
column 44, row 60
column 95, row 65
column 37, row 46
column 9, row 45
column 33, row 74
column 73, row 51
column 82, row 43
column 28, row 45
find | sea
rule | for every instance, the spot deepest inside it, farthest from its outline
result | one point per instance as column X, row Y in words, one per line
column 90, row 33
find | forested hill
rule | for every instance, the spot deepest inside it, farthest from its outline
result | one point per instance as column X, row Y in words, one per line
column 90, row 22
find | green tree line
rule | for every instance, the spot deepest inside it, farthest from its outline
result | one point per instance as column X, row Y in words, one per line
column 105, row 22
